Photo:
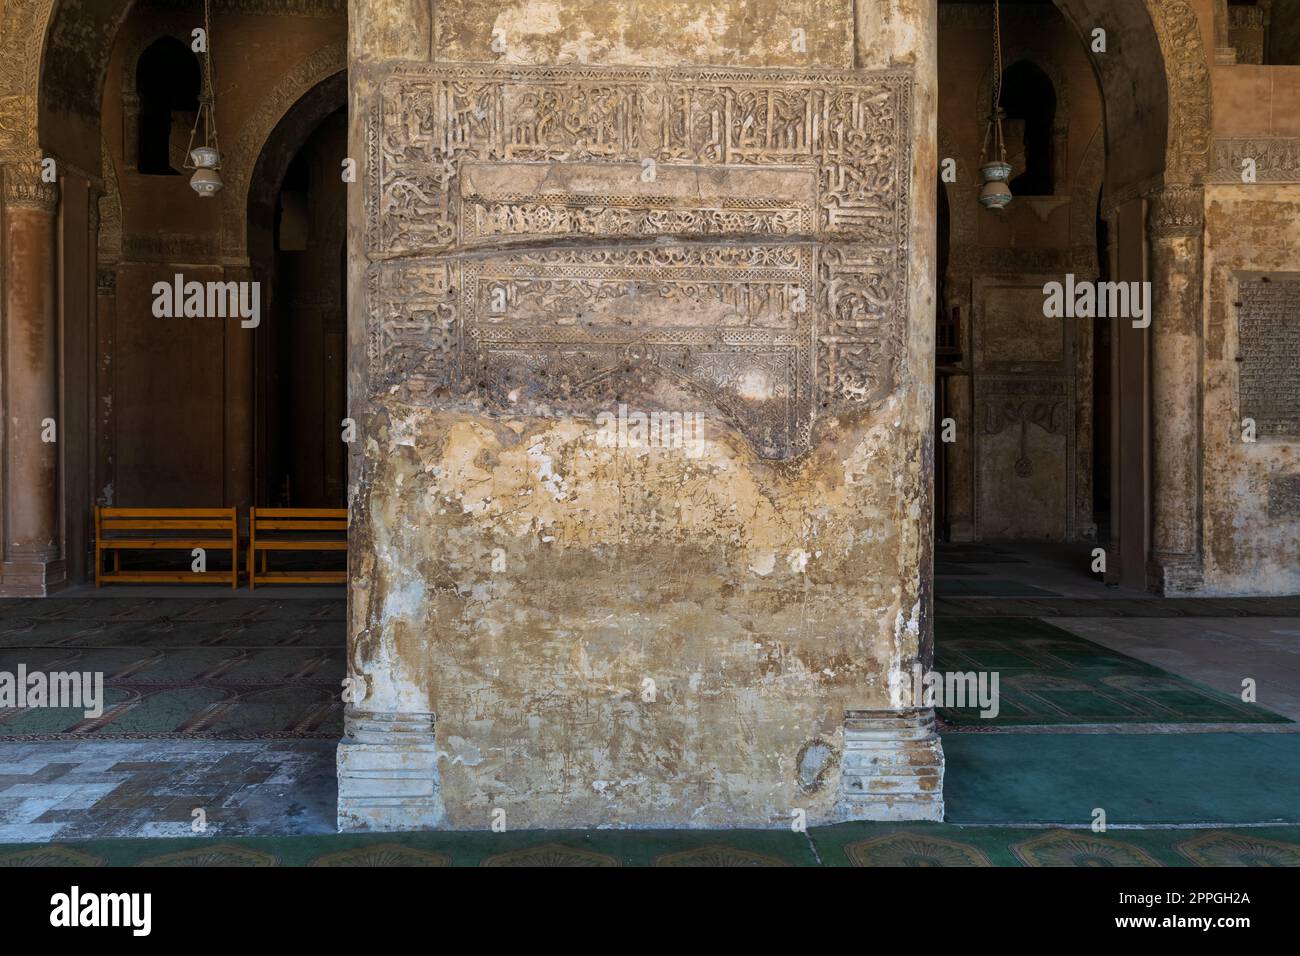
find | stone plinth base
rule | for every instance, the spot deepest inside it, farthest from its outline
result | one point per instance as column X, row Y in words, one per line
column 1171, row 575
column 892, row 767
column 388, row 773
column 32, row 577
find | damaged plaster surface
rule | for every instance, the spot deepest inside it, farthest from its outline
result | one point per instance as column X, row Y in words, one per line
column 1252, row 494
column 635, row 631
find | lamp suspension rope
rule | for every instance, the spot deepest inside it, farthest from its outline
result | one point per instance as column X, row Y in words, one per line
column 206, row 159
column 210, row 76
column 997, row 56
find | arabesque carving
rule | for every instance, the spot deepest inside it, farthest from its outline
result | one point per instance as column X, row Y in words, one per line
column 738, row 233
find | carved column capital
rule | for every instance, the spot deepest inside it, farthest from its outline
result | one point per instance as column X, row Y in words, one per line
column 1177, row 210
column 23, row 186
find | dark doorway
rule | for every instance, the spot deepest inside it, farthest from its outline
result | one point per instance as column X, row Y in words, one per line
column 303, row 350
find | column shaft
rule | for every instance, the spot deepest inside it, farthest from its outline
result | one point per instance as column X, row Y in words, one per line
column 1175, row 232
column 31, row 512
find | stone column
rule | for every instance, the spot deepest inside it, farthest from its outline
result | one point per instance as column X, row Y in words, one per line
column 239, row 431
column 1174, row 227
column 1085, row 522
column 104, row 421
column 893, row 763
column 32, row 562
column 130, row 129
column 961, row 395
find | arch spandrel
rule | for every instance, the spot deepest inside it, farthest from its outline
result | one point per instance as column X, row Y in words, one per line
column 1159, row 71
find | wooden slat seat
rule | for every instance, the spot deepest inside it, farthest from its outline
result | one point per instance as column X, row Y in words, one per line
column 165, row 529
column 295, row 529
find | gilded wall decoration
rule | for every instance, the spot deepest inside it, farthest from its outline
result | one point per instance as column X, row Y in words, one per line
column 550, row 237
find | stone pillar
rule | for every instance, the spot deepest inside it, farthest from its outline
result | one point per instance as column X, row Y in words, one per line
column 559, row 611
column 239, row 432
column 1174, row 227
column 104, row 423
column 32, row 561
column 130, row 128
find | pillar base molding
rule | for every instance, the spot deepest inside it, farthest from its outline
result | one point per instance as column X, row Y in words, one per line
column 1171, row 575
column 892, row 767
column 388, row 772
column 32, row 577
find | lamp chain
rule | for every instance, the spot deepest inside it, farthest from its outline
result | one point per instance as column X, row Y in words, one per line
column 207, row 114
column 207, row 70
column 997, row 56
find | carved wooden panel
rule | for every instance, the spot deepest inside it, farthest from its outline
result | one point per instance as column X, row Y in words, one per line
column 554, row 237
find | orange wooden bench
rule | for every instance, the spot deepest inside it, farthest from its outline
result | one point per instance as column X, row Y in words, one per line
column 165, row 529
column 295, row 529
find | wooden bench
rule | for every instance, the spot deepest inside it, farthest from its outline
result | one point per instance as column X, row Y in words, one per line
column 295, row 529
column 165, row 529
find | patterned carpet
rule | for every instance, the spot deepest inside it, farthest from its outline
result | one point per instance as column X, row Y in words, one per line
column 270, row 668
column 850, row 844
column 206, row 668
column 975, row 606
column 1049, row 676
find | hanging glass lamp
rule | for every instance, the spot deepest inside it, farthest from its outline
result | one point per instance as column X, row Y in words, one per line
column 994, row 168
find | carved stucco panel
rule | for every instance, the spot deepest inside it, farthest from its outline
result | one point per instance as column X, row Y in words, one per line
column 739, row 234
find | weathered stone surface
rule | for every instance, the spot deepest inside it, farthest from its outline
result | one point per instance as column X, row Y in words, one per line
column 617, row 624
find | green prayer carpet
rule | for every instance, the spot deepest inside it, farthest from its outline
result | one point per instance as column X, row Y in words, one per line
column 849, row 844
column 1048, row 676
column 1137, row 779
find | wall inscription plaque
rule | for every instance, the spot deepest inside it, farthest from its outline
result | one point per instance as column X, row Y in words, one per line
column 1284, row 496
column 1269, row 349
column 554, row 238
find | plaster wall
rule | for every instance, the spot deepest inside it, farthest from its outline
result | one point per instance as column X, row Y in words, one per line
column 1251, row 490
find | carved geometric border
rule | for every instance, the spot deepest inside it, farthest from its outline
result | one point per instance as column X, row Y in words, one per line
column 1277, row 159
